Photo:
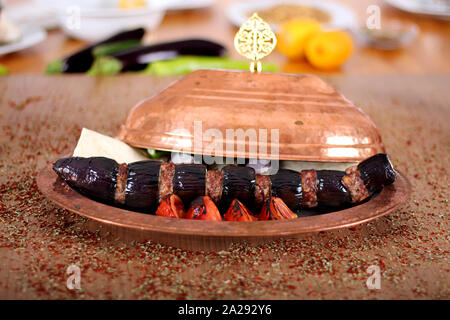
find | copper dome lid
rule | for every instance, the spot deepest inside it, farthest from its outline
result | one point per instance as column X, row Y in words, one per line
column 314, row 121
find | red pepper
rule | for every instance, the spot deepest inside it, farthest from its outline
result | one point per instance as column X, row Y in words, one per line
column 171, row 207
column 276, row 209
column 238, row 212
column 203, row 208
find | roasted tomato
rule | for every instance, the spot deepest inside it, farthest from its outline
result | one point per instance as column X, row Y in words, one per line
column 203, row 208
column 238, row 212
column 171, row 207
column 276, row 209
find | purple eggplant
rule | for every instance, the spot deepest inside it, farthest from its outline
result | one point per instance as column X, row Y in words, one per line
column 137, row 58
column 82, row 60
column 377, row 172
column 189, row 181
column 141, row 190
column 330, row 190
column 94, row 177
column 238, row 183
column 286, row 184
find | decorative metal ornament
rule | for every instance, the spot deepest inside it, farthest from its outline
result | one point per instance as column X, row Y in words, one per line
column 255, row 40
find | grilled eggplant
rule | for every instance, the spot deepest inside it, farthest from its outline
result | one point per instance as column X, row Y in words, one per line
column 94, row 177
column 142, row 185
column 189, row 181
column 238, row 183
column 286, row 184
column 377, row 172
column 330, row 190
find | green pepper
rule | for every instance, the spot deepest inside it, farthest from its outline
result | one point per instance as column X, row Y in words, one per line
column 105, row 66
column 3, row 70
column 110, row 48
column 54, row 67
column 157, row 154
column 185, row 64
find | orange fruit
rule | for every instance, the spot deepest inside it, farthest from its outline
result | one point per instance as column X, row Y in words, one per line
column 293, row 36
column 329, row 50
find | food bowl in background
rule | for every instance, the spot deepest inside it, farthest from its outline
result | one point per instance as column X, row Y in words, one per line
column 93, row 20
column 391, row 36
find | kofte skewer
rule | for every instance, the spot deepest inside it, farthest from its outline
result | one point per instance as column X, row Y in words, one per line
column 143, row 185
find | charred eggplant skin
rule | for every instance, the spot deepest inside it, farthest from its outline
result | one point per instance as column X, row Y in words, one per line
column 94, row 177
column 141, row 191
column 377, row 172
column 330, row 190
column 238, row 183
column 189, row 181
column 286, row 184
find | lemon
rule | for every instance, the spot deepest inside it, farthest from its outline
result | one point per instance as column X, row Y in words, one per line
column 293, row 36
column 329, row 50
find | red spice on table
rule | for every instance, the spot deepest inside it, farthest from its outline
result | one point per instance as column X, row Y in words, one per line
column 38, row 240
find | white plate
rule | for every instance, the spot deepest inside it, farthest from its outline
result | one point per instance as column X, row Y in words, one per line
column 436, row 8
column 341, row 17
column 94, row 20
column 31, row 12
column 187, row 4
column 31, row 35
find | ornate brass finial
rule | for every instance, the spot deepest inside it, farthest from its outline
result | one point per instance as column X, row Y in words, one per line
column 255, row 40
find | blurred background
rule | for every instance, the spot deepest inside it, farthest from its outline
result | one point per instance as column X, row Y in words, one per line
column 339, row 36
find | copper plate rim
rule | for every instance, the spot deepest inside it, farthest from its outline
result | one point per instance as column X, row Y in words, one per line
column 57, row 191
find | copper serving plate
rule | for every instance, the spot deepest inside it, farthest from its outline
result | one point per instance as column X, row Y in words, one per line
column 315, row 123
column 206, row 235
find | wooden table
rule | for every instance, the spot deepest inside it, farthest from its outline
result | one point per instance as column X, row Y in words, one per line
column 41, row 118
column 428, row 53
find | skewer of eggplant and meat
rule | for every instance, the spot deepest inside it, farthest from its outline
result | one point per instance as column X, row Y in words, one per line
column 235, row 193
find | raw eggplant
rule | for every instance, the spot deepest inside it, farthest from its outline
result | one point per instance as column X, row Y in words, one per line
column 286, row 184
column 135, row 59
column 377, row 172
column 81, row 61
column 94, row 177
column 238, row 183
column 189, row 181
column 330, row 190
column 141, row 191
